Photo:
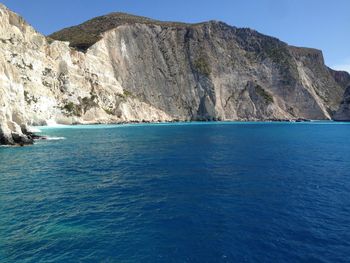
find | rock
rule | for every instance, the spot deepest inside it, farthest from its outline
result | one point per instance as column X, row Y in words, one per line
column 210, row 70
column 121, row 68
column 343, row 113
column 302, row 120
column 21, row 139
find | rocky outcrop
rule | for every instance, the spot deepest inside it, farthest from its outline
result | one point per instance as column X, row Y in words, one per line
column 211, row 70
column 44, row 82
column 343, row 78
column 343, row 114
column 123, row 68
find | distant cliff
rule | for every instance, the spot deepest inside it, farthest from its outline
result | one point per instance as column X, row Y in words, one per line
column 124, row 68
column 343, row 112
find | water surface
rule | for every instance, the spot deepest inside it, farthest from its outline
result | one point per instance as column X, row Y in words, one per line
column 218, row 192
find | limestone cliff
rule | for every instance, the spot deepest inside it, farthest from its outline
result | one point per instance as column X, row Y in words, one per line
column 44, row 82
column 123, row 68
column 343, row 113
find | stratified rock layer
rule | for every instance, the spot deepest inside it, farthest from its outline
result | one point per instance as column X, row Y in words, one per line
column 343, row 114
column 123, row 68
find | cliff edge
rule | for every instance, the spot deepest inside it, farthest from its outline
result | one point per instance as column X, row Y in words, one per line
column 124, row 68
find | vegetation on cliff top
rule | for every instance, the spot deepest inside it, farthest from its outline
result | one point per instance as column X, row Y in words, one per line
column 86, row 34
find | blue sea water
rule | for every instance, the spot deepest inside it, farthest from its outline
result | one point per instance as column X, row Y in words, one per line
column 196, row 192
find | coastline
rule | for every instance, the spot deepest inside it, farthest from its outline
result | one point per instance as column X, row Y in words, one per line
column 181, row 123
column 34, row 133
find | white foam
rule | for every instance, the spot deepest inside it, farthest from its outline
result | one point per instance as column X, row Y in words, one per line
column 55, row 138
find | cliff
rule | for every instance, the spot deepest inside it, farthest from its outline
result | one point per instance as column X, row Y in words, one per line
column 343, row 112
column 124, row 68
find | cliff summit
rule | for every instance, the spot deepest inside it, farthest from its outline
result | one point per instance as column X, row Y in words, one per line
column 125, row 68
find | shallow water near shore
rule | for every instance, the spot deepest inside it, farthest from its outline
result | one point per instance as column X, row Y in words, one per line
column 181, row 192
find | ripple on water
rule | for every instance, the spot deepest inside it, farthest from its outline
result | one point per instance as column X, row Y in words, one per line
column 242, row 192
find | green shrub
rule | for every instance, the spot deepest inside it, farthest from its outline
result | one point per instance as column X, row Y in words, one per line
column 26, row 96
column 69, row 107
column 202, row 66
column 29, row 99
column 264, row 94
column 109, row 111
column 128, row 93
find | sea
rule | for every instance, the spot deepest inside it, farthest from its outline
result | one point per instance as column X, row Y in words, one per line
column 180, row 192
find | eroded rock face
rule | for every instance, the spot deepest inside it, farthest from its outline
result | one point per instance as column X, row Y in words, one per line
column 343, row 114
column 144, row 70
column 213, row 71
column 41, row 82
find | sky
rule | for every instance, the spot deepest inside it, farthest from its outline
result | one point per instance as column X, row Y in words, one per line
column 321, row 24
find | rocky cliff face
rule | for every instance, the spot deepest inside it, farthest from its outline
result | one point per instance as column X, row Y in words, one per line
column 120, row 68
column 44, row 82
column 343, row 112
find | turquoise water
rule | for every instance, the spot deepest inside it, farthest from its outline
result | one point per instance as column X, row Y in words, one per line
column 196, row 192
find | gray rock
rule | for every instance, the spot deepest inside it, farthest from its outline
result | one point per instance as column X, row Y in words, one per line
column 122, row 68
column 343, row 114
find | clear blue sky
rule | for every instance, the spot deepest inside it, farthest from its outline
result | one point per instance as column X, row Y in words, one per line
column 322, row 24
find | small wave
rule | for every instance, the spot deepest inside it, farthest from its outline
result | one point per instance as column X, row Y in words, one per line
column 55, row 138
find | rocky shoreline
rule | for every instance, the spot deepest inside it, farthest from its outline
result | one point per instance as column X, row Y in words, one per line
column 16, row 139
column 28, row 138
column 121, row 68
